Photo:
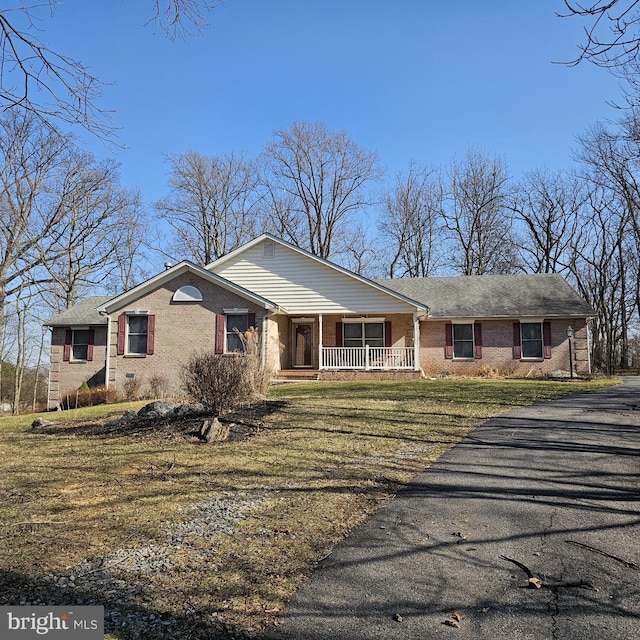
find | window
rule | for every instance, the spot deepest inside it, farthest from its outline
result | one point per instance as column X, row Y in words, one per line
column 80, row 344
column 229, row 325
column 236, row 323
column 531, row 339
column 136, row 334
column 463, row 341
column 359, row 334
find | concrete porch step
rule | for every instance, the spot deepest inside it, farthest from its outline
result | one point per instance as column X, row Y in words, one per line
column 297, row 375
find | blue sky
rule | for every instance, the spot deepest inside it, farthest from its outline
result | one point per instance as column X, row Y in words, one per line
column 420, row 80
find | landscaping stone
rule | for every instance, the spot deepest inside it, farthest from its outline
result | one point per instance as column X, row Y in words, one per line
column 157, row 408
column 40, row 422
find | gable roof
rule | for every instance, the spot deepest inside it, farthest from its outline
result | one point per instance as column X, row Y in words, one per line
column 82, row 313
column 509, row 296
column 166, row 276
column 301, row 282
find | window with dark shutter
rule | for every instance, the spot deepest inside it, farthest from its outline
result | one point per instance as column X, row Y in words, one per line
column 477, row 336
column 448, row 341
column 122, row 334
column 517, row 349
column 151, row 334
column 66, row 356
column 388, row 342
column 546, row 334
column 221, row 324
column 92, row 339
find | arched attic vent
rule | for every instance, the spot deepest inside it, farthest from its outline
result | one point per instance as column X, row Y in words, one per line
column 188, row 293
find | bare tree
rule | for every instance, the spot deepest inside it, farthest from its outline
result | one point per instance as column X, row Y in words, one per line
column 547, row 205
column 55, row 87
column 611, row 164
column 30, row 155
column 317, row 182
column 177, row 18
column 92, row 239
column 477, row 217
column 412, row 223
column 212, row 204
column 612, row 35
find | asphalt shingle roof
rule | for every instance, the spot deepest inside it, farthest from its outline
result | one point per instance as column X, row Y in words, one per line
column 510, row 296
column 82, row 313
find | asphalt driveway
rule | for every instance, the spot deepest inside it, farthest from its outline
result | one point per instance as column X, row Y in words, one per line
column 554, row 487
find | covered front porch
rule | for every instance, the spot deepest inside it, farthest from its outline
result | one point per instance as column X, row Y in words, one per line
column 329, row 343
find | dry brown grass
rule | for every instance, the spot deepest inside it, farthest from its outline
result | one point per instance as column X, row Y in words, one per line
column 324, row 457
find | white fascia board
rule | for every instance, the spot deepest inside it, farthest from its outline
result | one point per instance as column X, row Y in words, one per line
column 267, row 236
column 165, row 276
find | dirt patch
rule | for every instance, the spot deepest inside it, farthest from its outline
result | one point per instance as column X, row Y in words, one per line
column 246, row 422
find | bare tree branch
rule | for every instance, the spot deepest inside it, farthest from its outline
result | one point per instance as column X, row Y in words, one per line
column 612, row 39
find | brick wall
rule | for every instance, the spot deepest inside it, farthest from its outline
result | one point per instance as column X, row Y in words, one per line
column 497, row 350
column 67, row 377
column 181, row 329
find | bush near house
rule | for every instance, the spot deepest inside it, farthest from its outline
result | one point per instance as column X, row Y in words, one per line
column 222, row 382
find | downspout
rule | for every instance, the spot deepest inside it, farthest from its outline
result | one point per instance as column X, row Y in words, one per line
column 49, row 376
column 107, row 350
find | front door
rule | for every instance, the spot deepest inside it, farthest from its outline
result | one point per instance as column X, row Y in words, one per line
column 303, row 345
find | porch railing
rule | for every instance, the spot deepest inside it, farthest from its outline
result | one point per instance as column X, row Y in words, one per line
column 367, row 358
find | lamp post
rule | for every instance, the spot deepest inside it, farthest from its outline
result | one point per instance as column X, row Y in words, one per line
column 570, row 336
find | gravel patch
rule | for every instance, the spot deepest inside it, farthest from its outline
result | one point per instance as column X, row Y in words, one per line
column 116, row 580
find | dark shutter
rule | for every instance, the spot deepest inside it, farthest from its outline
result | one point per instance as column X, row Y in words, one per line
column 477, row 338
column 387, row 334
column 546, row 338
column 68, row 336
column 92, row 338
column 122, row 331
column 517, row 350
column 448, row 335
column 151, row 334
column 221, row 327
column 251, row 320
column 338, row 334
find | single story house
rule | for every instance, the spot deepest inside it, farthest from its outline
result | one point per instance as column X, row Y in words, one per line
column 315, row 317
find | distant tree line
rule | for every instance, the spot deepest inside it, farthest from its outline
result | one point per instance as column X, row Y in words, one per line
column 68, row 228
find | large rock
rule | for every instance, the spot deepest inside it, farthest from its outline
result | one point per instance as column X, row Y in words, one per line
column 40, row 422
column 158, row 408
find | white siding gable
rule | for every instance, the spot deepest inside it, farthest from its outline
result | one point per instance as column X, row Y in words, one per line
column 300, row 284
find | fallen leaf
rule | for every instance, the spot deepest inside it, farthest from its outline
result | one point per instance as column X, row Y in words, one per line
column 456, row 616
column 535, row 583
column 452, row 623
column 398, row 618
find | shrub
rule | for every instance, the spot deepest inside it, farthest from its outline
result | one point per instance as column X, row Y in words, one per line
column 132, row 388
column 158, row 385
column 222, row 382
column 87, row 397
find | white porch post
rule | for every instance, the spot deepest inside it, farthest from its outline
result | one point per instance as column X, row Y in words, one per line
column 416, row 342
column 320, row 363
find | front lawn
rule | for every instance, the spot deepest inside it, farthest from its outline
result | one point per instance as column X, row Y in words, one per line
column 178, row 538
